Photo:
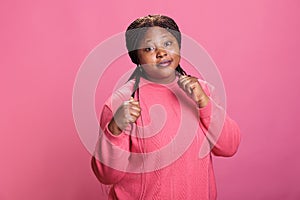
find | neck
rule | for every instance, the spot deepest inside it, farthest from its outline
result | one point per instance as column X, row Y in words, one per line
column 167, row 80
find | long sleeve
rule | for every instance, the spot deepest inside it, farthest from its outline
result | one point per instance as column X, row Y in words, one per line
column 222, row 132
column 160, row 162
column 111, row 154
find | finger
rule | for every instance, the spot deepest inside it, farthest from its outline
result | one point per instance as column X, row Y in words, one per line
column 134, row 114
column 130, row 104
column 188, row 88
column 135, row 103
column 186, row 79
column 182, row 83
column 182, row 79
column 136, row 108
column 132, row 100
column 192, row 85
column 192, row 88
column 126, row 103
column 185, row 84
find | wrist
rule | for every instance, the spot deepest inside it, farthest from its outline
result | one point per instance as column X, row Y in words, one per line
column 202, row 102
column 114, row 128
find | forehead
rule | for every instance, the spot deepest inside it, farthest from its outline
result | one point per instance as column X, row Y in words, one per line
column 156, row 33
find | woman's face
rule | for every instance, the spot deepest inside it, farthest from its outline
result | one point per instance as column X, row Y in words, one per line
column 159, row 55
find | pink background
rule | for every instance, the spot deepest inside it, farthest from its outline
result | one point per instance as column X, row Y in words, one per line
column 43, row 43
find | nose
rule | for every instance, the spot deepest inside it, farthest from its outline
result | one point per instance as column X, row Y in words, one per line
column 161, row 53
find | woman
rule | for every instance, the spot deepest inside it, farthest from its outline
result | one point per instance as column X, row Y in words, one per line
column 153, row 127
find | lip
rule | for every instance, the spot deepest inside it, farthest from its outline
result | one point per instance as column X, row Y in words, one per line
column 164, row 63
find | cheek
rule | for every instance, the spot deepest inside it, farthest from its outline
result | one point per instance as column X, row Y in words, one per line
column 176, row 56
column 175, row 52
column 144, row 59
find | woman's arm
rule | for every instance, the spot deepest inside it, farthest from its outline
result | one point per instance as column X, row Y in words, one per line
column 111, row 153
column 221, row 131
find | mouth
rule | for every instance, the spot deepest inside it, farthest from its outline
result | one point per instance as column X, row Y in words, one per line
column 164, row 63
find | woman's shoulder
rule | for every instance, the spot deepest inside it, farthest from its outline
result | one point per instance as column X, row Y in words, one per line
column 125, row 90
column 121, row 94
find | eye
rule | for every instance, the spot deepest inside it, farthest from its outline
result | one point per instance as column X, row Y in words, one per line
column 148, row 49
column 168, row 43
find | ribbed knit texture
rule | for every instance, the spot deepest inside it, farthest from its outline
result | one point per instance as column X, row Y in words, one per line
column 188, row 177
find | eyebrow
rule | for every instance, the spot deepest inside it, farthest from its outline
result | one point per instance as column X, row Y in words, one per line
column 149, row 40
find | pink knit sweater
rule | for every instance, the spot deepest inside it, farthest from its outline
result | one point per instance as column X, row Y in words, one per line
column 167, row 153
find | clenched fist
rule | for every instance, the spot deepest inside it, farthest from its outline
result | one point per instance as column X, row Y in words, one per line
column 128, row 112
column 191, row 86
